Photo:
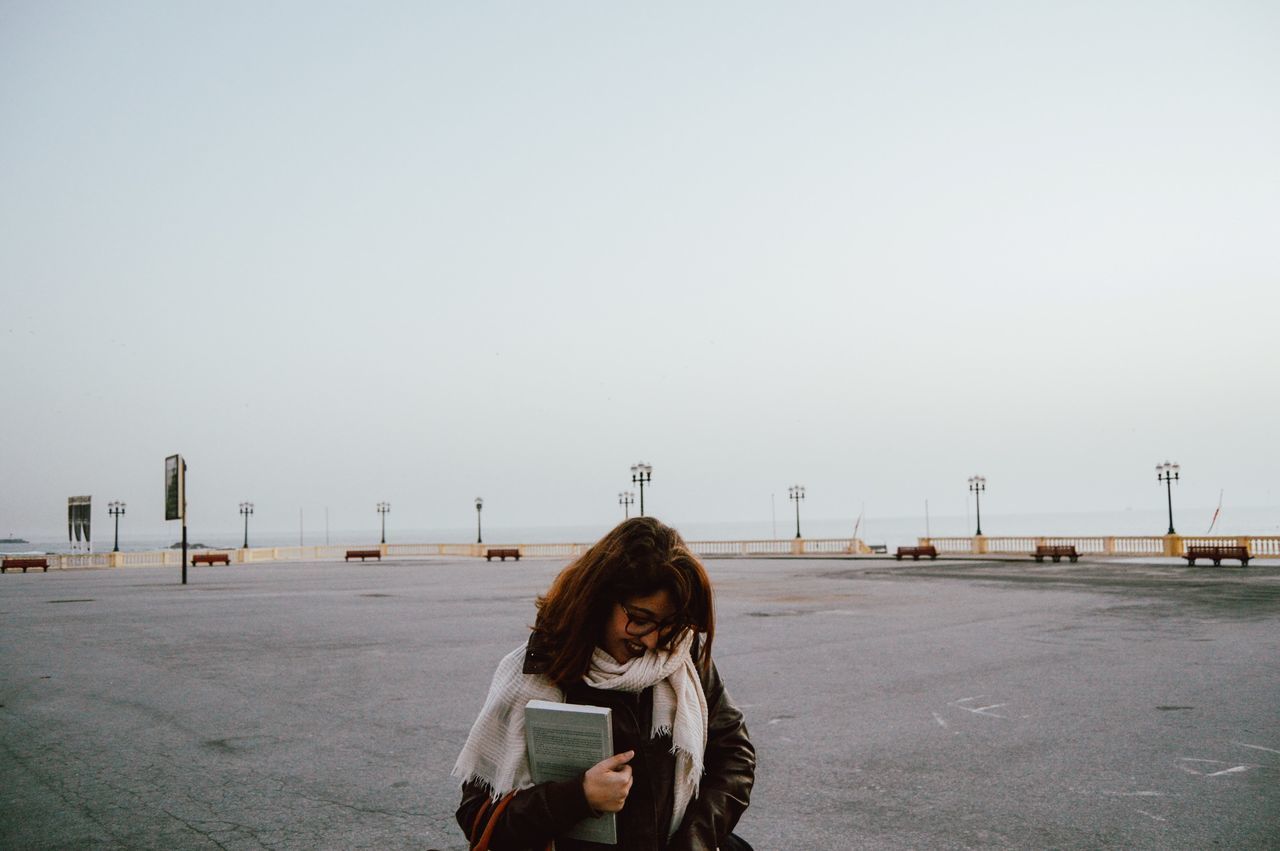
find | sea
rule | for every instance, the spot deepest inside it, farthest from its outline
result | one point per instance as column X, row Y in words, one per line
column 890, row 531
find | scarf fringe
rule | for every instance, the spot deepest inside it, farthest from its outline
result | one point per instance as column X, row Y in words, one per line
column 477, row 780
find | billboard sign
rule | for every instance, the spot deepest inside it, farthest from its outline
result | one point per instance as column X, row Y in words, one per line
column 175, row 488
column 79, row 513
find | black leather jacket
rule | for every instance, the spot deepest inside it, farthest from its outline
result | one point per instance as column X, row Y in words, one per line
column 543, row 811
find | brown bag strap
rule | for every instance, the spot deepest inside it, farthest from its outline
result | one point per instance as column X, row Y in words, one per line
column 479, row 819
column 492, row 812
column 482, row 844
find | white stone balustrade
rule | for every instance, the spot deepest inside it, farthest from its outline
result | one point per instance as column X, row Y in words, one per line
column 1259, row 546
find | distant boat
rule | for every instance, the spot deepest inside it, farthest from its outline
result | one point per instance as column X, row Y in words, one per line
column 14, row 541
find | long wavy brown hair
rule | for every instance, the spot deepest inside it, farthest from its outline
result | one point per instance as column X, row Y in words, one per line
column 640, row 556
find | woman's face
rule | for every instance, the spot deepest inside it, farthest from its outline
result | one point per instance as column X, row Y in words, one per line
column 638, row 624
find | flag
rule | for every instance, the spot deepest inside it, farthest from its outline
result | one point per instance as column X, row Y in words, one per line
column 1216, row 512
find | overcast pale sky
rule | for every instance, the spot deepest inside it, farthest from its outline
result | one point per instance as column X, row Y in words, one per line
column 418, row 252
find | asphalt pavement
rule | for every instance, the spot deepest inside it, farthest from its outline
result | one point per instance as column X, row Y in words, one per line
column 894, row 705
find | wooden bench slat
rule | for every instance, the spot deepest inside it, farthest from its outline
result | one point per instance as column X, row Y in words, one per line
column 1216, row 553
column 24, row 562
column 915, row 552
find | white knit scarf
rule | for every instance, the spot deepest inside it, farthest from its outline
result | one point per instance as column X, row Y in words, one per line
column 496, row 756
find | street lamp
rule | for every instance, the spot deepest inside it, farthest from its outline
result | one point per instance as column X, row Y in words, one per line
column 626, row 499
column 115, row 509
column 978, row 484
column 1168, row 473
column 383, row 508
column 795, row 493
column 246, row 508
column 641, row 473
column 479, row 505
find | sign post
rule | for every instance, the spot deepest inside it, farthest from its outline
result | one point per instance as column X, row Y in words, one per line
column 175, row 500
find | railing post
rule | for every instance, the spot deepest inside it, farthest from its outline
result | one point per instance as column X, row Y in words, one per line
column 797, row 546
column 979, row 544
column 1172, row 545
column 1243, row 540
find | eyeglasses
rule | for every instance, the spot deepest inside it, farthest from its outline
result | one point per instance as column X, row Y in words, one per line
column 639, row 626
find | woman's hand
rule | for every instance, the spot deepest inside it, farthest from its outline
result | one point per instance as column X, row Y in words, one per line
column 608, row 782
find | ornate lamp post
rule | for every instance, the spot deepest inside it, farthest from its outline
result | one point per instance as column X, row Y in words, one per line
column 641, row 473
column 383, row 508
column 978, row 484
column 626, row 499
column 479, row 505
column 1168, row 473
column 795, row 493
column 115, row 509
column 246, row 508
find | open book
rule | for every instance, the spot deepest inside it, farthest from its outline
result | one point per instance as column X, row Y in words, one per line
column 564, row 740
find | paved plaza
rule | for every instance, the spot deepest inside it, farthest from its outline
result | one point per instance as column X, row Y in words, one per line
column 935, row 705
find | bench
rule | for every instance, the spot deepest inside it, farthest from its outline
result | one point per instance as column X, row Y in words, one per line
column 363, row 554
column 1055, row 552
column 1217, row 552
column 502, row 554
column 24, row 563
column 210, row 558
column 915, row 552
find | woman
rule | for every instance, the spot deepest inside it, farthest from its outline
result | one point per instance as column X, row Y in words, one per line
column 628, row 626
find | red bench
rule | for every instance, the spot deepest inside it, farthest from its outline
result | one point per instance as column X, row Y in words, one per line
column 915, row 552
column 1055, row 552
column 363, row 554
column 1216, row 552
column 210, row 558
column 24, row 563
column 502, row 553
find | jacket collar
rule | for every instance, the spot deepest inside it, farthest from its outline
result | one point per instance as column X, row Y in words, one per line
column 537, row 656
